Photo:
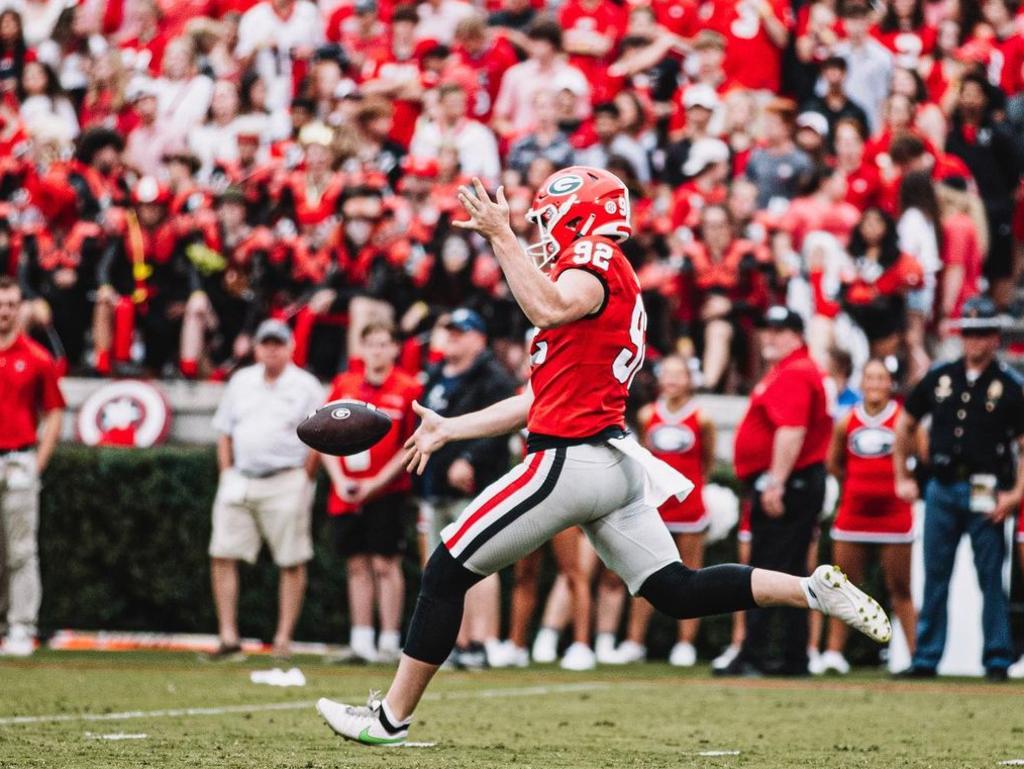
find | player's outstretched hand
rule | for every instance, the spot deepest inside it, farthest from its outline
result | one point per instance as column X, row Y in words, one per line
column 428, row 438
column 488, row 217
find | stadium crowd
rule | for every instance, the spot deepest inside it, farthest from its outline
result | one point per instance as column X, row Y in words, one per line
column 174, row 173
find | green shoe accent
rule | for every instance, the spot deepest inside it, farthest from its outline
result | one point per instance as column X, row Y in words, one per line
column 368, row 739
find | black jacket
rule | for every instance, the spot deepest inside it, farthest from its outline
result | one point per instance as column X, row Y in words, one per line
column 485, row 383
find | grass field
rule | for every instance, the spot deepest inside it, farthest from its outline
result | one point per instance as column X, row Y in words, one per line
column 61, row 709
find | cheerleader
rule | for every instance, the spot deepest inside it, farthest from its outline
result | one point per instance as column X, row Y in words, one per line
column 870, row 514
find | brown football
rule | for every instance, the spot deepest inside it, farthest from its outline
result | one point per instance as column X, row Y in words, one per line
column 343, row 427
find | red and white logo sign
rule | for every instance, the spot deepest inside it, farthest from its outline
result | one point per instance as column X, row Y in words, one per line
column 125, row 413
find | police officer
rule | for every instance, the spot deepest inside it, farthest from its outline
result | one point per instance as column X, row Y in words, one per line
column 976, row 481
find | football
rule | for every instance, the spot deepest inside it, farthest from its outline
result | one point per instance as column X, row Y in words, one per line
column 343, row 427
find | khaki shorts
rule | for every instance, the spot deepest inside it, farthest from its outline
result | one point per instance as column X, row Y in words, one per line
column 597, row 488
column 277, row 509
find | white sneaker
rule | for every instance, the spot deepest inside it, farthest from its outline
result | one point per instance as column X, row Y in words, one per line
column 815, row 666
column 497, row 654
column 388, row 656
column 836, row 662
column 579, row 657
column 604, row 648
column 683, row 655
column 1016, row 670
column 18, row 643
column 630, row 653
column 840, row 598
column 725, row 659
column 364, row 724
column 367, row 652
column 545, row 646
column 517, row 656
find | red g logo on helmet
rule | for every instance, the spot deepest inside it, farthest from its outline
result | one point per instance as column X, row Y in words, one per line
column 576, row 202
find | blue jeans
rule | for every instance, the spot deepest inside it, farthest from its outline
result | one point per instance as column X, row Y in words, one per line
column 947, row 517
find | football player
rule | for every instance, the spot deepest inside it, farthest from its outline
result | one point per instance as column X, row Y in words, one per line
column 582, row 467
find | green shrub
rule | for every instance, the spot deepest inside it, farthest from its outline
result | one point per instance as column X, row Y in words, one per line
column 123, row 539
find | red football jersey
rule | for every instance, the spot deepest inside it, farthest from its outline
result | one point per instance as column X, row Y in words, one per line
column 675, row 438
column 394, row 396
column 582, row 370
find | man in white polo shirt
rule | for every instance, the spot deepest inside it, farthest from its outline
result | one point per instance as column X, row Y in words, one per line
column 265, row 490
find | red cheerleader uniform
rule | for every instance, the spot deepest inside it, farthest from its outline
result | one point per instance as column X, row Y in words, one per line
column 675, row 438
column 870, row 511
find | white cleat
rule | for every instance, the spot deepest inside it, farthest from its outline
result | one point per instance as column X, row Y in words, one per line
column 814, row 662
column 683, row 655
column 628, row 653
column 1016, row 670
column 725, row 659
column 362, row 723
column 579, row 657
column 840, row 598
column 834, row 662
column 545, row 646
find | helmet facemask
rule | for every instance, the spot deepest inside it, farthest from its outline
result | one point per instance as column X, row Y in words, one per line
column 546, row 250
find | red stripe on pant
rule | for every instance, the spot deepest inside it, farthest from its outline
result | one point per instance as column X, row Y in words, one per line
column 498, row 498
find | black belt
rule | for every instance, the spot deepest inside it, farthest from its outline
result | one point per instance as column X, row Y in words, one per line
column 540, row 442
column 18, row 449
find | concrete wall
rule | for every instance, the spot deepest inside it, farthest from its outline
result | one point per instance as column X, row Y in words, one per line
column 193, row 404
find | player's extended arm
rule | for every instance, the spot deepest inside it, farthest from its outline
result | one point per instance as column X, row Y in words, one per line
column 546, row 304
column 435, row 431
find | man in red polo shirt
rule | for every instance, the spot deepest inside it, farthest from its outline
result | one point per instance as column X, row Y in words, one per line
column 780, row 454
column 28, row 389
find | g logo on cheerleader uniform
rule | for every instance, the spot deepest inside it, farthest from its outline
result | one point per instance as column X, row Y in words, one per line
column 872, row 442
column 672, row 439
column 564, row 185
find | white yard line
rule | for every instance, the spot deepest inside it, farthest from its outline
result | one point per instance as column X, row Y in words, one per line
column 521, row 691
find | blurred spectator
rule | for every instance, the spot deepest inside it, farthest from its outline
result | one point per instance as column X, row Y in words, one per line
column 835, row 104
column 723, row 283
column 448, row 125
column 544, row 70
column 276, row 38
column 265, row 491
column 869, row 64
column 369, row 501
column 780, row 453
column 183, row 93
column 467, row 380
column 778, row 167
column 29, row 392
column 919, row 232
column 987, row 147
column 545, row 140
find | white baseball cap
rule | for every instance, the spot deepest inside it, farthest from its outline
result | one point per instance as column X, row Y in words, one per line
column 703, row 153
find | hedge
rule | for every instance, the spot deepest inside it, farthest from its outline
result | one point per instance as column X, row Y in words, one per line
column 123, row 539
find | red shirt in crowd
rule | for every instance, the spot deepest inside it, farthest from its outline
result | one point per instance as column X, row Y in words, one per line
column 751, row 58
column 28, row 387
column 792, row 394
column 393, row 396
